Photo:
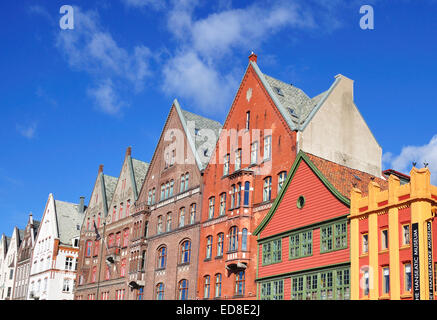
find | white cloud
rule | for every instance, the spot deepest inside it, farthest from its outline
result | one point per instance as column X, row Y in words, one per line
column 41, row 11
column 106, row 98
column 91, row 49
column 27, row 131
column 419, row 154
column 156, row 4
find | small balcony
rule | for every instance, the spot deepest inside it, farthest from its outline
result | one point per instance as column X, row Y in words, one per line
column 237, row 261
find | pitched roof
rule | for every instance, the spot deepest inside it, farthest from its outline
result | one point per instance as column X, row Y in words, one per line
column 343, row 178
column 68, row 218
column 296, row 107
column 196, row 141
column 140, row 170
column 110, row 185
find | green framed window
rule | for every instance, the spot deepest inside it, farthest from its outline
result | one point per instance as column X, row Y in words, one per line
column 301, row 244
column 272, row 252
column 333, row 237
column 273, row 290
column 333, row 284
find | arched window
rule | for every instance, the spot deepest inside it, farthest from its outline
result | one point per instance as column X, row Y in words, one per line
column 218, row 285
column 182, row 217
column 208, row 247
column 267, row 190
column 160, row 291
column 246, row 193
column 233, row 191
column 162, row 257
column 118, row 239
column 211, row 208
column 123, row 268
column 171, row 188
column 146, row 229
column 153, row 196
column 220, row 241
column 120, row 212
column 185, row 252
column 222, row 204
column 168, row 222
column 281, row 179
column 233, row 239
column 111, row 240
column 126, row 237
column 96, row 248
column 89, row 244
column 93, row 275
column 192, row 213
column 239, row 283
column 206, row 287
column 238, row 195
column 159, row 225
column 244, row 240
column 183, row 289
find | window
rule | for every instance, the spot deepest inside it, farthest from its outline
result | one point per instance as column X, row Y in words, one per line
column 301, row 245
column 326, row 286
column 89, row 244
column 187, row 176
column 93, row 275
column 183, row 289
column 126, row 237
column 185, row 252
column 120, row 214
column 149, row 198
column 254, row 153
column 123, row 268
column 385, row 280
column 333, row 237
column 244, row 240
column 140, row 293
column 365, row 243
column 162, row 192
column 192, row 213
column 222, row 204
column 238, row 159
column 281, row 179
column 273, row 290
column 168, row 227
column 171, row 188
column 384, row 239
column 66, row 285
column 208, row 247
column 160, row 291
column 267, row 190
column 343, row 285
column 181, row 217
column 267, row 147
column 162, row 257
column 233, row 239
column 233, row 192
column 173, row 156
column 159, row 225
column 226, row 165
column 153, row 196
column 366, row 282
column 218, row 285
column 220, row 241
column 406, row 234
column 238, row 196
column 271, row 252
column 211, row 208
column 247, row 120
column 167, row 190
column 239, row 283
column 119, row 294
column 206, row 287
column 69, row 263
column 246, row 193
column 118, row 239
column 107, row 273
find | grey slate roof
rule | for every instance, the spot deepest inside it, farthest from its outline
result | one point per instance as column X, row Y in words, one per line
column 296, row 103
column 140, row 170
column 110, row 185
column 201, row 123
column 68, row 217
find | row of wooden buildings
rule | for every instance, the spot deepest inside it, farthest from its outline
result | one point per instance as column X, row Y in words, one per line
column 257, row 208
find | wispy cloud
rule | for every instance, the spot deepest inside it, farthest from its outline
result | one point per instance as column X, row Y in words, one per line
column 419, row 154
column 92, row 49
column 27, row 131
column 41, row 11
column 156, row 4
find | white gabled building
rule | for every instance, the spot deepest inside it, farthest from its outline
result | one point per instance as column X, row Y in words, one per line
column 4, row 244
column 54, row 258
column 10, row 262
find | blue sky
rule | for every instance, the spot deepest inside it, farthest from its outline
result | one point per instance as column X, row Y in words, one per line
column 73, row 99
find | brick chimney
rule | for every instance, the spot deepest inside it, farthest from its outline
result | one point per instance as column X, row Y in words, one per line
column 129, row 151
column 82, row 204
column 101, row 168
column 253, row 57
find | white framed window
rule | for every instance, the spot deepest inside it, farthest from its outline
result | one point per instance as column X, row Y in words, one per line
column 267, row 147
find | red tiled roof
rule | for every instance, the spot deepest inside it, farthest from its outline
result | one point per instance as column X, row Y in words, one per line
column 344, row 178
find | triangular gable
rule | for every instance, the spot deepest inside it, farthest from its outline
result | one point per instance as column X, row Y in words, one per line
column 300, row 157
column 53, row 222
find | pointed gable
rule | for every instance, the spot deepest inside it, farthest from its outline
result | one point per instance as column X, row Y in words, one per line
column 325, row 187
column 69, row 221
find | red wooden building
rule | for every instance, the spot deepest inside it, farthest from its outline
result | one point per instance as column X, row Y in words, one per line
column 303, row 242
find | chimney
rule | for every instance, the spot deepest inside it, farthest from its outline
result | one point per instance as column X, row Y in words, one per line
column 129, row 151
column 82, row 204
column 101, row 168
column 253, row 57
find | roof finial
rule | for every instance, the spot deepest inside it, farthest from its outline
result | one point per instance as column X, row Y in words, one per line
column 129, row 151
column 253, row 57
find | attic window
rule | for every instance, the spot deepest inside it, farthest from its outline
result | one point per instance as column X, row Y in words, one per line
column 78, row 227
column 300, row 202
column 205, row 152
column 196, row 131
column 292, row 112
column 278, row 91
